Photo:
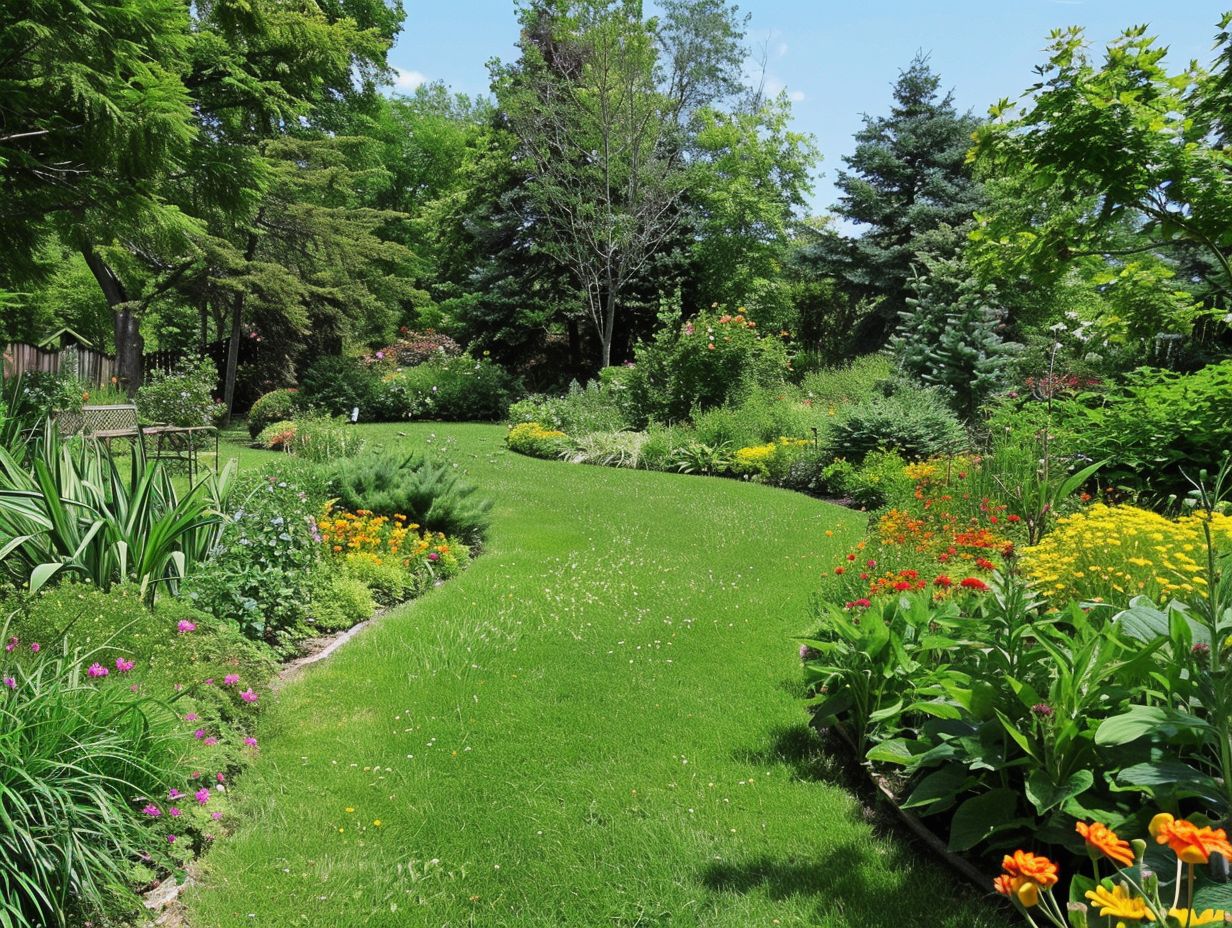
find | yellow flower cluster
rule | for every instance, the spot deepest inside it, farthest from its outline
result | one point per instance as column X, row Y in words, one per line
column 535, row 440
column 1108, row 553
column 759, row 458
column 380, row 539
column 958, row 465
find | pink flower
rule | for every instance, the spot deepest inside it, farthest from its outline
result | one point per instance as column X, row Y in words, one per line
column 152, row 811
column 202, row 796
column 250, row 742
column 249, row 696
column 195, row 775
column 433, row 556
column 208, row 681
column 216, row 816
column 174, row 793
column 199, row 733
column 97, row 670
column 174, row 812
column 184, row 626
column 171, row 839
column 35, row 647
column 220, row 778
column 231, row 679
column 123, row 666
column 191, row 717
column 210, row 742
column 12, row 643
column 10, row 683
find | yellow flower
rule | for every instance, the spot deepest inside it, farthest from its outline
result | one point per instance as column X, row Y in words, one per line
column 1187, row 919
column 376, row 823
column 350, row 809
column 1118, row 903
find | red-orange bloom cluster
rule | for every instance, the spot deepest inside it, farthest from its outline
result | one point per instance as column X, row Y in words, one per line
column 1025, row 875
column 1193, row 845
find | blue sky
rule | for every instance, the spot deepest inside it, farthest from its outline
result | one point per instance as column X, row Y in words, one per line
column 837, row 59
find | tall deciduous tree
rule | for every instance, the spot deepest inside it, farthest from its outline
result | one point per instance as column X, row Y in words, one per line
column 591, row 119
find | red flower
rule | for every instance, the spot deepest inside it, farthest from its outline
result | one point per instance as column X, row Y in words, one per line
column 943, row 581
column 974, row 583
column 839, row 570
column 851, row 557
column 1015, row 518
column 984, row 564
column 902, row 586
column 909, row 574
column 863, row 603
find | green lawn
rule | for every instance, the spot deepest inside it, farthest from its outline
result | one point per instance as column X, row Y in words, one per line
column 597, row 725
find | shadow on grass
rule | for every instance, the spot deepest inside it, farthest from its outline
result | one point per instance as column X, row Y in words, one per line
column 807, row 752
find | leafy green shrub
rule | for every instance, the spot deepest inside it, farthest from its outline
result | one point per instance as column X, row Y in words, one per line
column 760, row 415
column 275, row 406
column 340, row 600
column 388, row 581
column 863, row 377
column 460, row 389
column 336, row 385
column 661, row 443
column 697, row 457
column 531, row 438
column 432, row 495
column 593, row 408
column 805, row 472
column 260, row 573
column 1156, row 427
column 183, row 396
column 321, row 439
column 76, row 753
column 277, row 436
column 875, row 482
column 706, row 362
column 918, row 424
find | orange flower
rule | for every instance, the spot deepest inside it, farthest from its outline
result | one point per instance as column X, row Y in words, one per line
column 1025, row 875
column 1102, row 839
column 1193, row 845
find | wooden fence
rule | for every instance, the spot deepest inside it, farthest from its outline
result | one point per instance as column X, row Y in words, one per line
column 93, row 367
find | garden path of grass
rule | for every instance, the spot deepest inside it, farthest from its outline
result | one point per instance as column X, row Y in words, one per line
column 596, row 725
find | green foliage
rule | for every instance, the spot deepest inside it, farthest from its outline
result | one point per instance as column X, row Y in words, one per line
column 275, row 406
column 184, row 396
column 1157, row 430
column 597, row 407
column 661, row 443
column 608, row 449
column 948, row 337
column 432, row 495
column 260, row 573
column 341, row 599
column 697, row 457
column 336, row 385
column 320, row 439
column 460, row 389
column 702, row 363
column 74, row 757
column 917, row 424
column 77, row 511
column 387, row 583
column 877, row 481
column 862, row 377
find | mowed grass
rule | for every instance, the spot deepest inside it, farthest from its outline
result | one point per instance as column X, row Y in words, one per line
column 597, row 725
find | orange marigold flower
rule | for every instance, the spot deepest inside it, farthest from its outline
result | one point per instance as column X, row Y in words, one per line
column 1025, row 875
column 1104, row 840
column 1193, row 845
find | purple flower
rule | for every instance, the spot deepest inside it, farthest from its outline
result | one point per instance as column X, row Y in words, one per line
column 250, row 742
column 210, row 742
column 10, row 683
column 231, row 679
column 123, row 666
column 97, row 670
column 249, row 696
column 184, row 626
column 208, row 681
column 152, row 811
column 1042, row 710
column 807, row 653
column 171, row 839
column 174, row 793
column 202, row 796
column 35, row 647
column 199, row 733
column 12, row 643
column 191, row 717
column 216, row 816
column 174, row 812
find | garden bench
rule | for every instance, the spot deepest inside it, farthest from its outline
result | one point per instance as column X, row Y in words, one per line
column 119, row 420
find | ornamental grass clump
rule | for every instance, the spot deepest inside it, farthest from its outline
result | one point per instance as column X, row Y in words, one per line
column 1111, row 553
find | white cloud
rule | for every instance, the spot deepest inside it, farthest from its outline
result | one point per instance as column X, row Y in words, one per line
column 408, row 80
column 796, row 96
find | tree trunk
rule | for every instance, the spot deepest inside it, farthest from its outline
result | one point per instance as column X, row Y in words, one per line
column 609, row 325
column 128, row 341
column 233, row 343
